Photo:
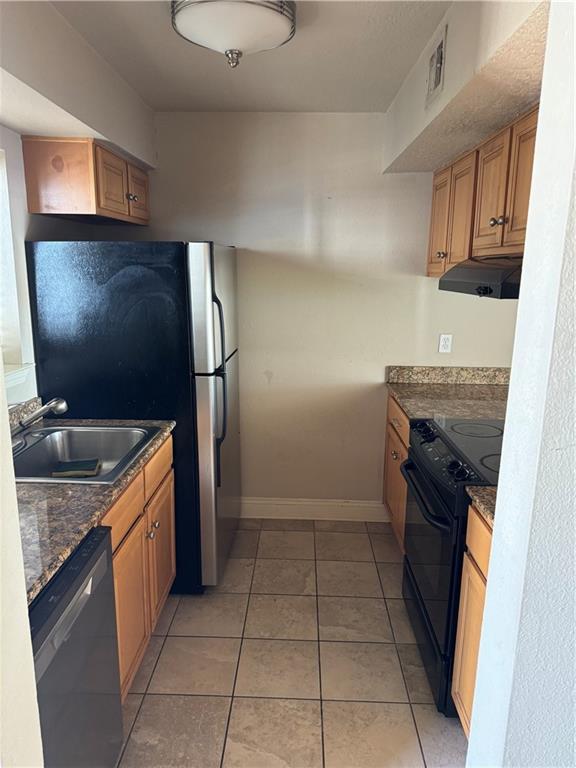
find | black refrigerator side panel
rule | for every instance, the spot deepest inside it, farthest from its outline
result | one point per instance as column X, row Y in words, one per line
column 112, row 336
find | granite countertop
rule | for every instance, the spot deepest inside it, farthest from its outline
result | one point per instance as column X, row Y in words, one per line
column 484, row 499
column 469, row 401
column 55, row 517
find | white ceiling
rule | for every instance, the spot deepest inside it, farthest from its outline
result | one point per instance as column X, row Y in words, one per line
column 345, row 57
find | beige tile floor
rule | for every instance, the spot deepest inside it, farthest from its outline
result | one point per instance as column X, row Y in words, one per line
column 303, row 657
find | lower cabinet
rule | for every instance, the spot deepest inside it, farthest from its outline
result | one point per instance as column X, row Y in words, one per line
column 161, row 544
column 470, row 614
column 144, row 559
column 131, row 587
column 394, row 483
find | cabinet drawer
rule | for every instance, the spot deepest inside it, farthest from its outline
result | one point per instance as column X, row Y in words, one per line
column 479, row 540
column 125, row 511
column 399, row 420
column 157, row 468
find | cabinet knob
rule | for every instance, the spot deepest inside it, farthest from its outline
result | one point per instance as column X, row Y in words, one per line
column 156, row 524
column 441, row 255
column 132, row 197
column 151, row 535
column 395, row 455
column 499, row 222
column 135, row 198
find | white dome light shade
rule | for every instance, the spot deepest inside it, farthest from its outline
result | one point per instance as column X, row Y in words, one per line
column 235, row 26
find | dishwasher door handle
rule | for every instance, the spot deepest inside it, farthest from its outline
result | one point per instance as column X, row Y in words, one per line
column 65, row 624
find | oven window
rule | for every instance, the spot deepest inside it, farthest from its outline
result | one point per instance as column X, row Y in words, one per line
column 430, row 551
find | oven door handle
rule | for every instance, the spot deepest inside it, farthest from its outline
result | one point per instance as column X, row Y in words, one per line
column 434, row 520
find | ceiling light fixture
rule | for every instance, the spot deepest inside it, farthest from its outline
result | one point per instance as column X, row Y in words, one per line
column 235, row 27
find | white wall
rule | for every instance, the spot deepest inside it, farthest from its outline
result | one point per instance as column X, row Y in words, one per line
column 39, row 47
column 524, row 702
column 331, row 286
column 20, row 740
column 475, row 32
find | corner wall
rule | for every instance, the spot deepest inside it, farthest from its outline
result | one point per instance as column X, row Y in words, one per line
column 332, row 257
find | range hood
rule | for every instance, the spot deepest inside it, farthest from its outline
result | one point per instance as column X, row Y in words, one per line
column 497, row 278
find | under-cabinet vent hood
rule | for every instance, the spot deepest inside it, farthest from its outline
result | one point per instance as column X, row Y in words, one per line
column 496, row 278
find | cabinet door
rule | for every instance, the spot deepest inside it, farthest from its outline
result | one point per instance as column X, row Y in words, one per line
column 520, row 178
column 131, row 587
column 491, row 191
column 161, row 544
column 462, row 192
column 138, row 197
column 438, row 241
column 394, row 483
column 111, row 182
column 473, row 592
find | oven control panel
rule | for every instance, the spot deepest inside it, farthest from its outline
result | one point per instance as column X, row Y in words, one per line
column 441, row 460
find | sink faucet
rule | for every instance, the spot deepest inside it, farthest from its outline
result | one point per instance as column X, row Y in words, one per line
column 57, row 406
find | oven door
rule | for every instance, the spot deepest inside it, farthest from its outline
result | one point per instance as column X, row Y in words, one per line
column 430, row 544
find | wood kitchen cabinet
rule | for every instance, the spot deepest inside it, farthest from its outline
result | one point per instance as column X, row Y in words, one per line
column 522, row 146
column 438, row 241
column 131, row 589
column 490, row 210
column 397, row 436
column 452, row 207
column 470, row 613
column 162, row 544
column 480, row 203
column 82, row 177
column 144, row 558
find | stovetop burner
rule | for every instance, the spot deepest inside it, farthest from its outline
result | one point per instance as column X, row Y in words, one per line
column 476, row 429
column 491, row 462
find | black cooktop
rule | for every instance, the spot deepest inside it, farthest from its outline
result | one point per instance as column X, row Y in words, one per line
column 478, row 441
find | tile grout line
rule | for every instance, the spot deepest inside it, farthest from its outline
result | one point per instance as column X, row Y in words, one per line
column 401, row 667
column 125, row 745
column 319, row 655
column 233, row 692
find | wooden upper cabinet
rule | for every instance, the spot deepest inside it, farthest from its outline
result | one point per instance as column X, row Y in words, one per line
column 462, row 191
column 138, row 197
column 438, row 242
column 111, row 183
column 520, row 179
column 80, row 177
column 490, row 212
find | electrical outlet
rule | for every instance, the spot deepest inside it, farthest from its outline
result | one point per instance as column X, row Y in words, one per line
column 445, row 343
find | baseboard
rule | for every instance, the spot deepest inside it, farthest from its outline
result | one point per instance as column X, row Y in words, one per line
column 313, row 509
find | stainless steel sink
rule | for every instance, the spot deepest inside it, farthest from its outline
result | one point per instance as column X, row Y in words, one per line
column 38, row 451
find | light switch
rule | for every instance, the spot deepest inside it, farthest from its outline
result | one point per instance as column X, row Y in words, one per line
column 445, row 343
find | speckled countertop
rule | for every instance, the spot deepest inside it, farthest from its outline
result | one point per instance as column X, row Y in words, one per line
column 484, row 499
column 55, row 517
column 469, row 401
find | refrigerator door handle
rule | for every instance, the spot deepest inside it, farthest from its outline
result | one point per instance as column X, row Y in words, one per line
column 220, row 309
column 221, row 374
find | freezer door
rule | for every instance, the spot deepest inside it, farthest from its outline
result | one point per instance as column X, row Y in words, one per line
column 212, row 286
column 224, row 290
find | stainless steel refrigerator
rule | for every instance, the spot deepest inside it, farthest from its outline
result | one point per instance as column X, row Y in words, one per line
column 148, row 330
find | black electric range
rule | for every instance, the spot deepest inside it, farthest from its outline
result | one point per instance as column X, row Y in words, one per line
column 445, row 455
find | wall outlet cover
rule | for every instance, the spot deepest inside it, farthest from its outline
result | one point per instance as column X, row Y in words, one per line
column 445, row 343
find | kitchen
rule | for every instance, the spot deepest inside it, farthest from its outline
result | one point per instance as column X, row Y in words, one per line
column 333, row 299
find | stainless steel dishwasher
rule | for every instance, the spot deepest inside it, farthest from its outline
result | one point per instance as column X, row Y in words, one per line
column 73, row 624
